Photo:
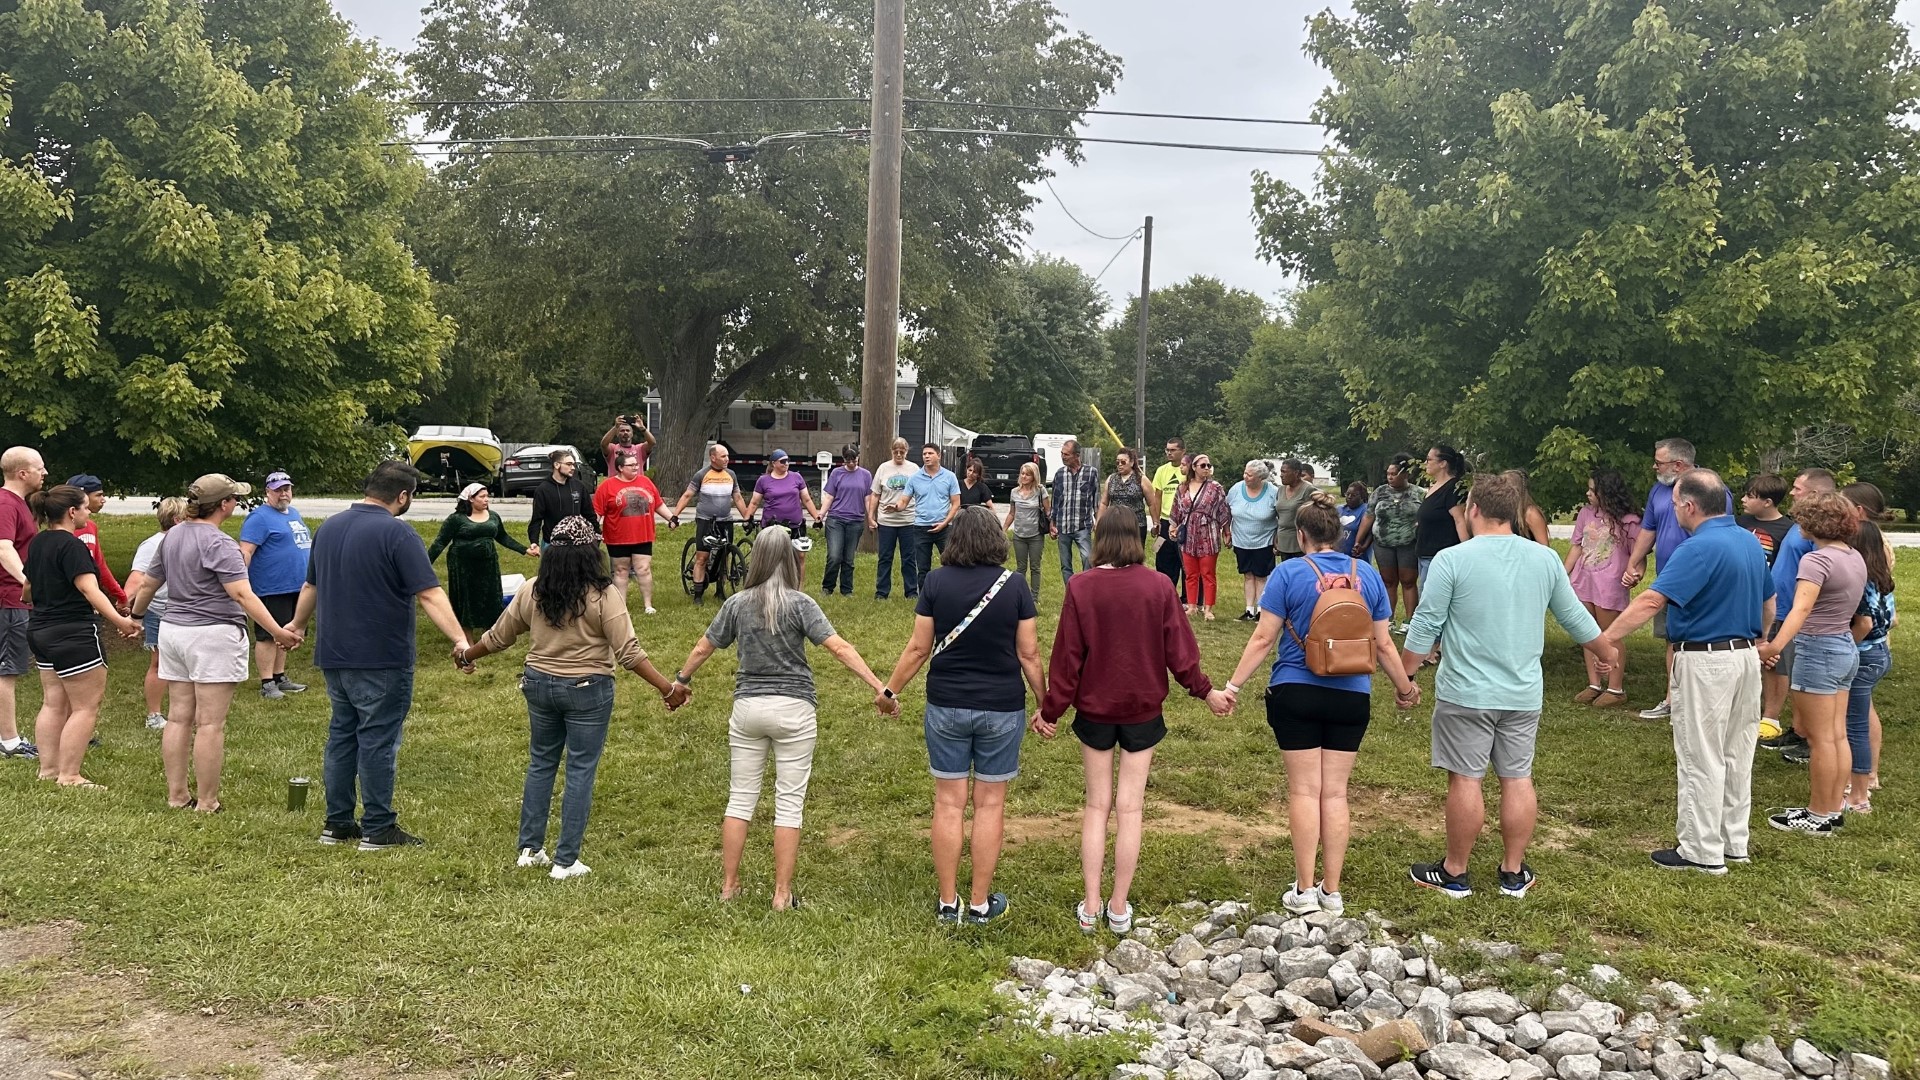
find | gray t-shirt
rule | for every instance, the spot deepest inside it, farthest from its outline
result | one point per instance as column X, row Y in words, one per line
column 717, row 489
column 773, row 663
column 1026, row 513
column 1286, row 536
column 196, row 563
column 1842, row 576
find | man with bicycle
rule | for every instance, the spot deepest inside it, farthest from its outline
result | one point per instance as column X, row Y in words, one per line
column 717, row 491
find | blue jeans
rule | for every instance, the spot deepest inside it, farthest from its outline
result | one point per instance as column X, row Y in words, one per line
column 925, row 540
column 1079, row 538
column 567, row 714
column 843, row 539
column 1875, row 660
column 885, row 538
column 363, row 743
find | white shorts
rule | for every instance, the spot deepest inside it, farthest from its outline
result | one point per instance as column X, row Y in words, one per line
column 203, row 654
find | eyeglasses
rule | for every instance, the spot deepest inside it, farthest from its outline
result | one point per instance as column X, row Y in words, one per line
column 1206, row 465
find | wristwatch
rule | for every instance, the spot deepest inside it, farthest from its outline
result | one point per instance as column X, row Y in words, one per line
column 887, row 692
column 682, row 678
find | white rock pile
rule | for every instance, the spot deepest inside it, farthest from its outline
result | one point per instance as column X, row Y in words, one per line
column 1274, row 997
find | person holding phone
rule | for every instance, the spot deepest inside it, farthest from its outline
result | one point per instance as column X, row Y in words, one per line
column 619, row 439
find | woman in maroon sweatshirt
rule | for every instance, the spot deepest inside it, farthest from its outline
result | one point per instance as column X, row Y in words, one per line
column 1121, row 630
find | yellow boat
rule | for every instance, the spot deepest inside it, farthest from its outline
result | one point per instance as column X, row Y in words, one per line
column 454, row 456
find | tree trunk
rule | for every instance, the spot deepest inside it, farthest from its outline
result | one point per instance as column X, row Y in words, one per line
column 688, row 417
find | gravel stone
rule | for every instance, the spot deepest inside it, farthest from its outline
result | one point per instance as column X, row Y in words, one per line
column 1571, row 1043
column 1501, row 1008
column 1460, row 1062
column 1680, row 1065
column 1578, row 1067
column 1808, row 1059
column 1868, row 1067
column 1529, row 1033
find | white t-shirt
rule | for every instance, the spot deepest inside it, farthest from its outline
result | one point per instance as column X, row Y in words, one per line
column 890, row 483
column 145, row 558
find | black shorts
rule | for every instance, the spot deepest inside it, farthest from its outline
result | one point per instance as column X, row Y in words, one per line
column 797, row 528
column 1131, row 738
column 68, row 649
column 721, row 527
column 1308, row 717
column 1254, row 562
column 280, row 606
column 621, row 551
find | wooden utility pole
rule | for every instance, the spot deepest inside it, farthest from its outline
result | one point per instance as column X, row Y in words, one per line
column 880, row 357
column 1140, row 350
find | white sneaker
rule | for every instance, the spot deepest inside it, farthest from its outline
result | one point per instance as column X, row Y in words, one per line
column 562, row 873
column 1300, row 903
column 1121, row 923
column 1658, row 712
column 532, row 857
column 651, row 611
column 1330, row 902
column 155, row 721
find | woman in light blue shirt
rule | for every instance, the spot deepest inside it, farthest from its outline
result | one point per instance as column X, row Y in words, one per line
column 1255, row 503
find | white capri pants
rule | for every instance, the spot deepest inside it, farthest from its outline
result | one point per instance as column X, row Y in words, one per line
column 784, row 727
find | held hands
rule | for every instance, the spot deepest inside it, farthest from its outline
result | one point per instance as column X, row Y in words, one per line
column 1408, row 698
column 1632, row 576
column 287, row 639
column 126, row 628
column 1221, row 702
column 677, row 695
column 1769, row 655
column 533, row 551
column 1041, row 727
column 460, row 660
column 886, row 706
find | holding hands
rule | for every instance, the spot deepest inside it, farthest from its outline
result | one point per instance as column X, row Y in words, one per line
column 1041, row 727
column 1769, row 654
column 1407, row 698
column 677, row 695
column 886, row 705
column 1221, row 701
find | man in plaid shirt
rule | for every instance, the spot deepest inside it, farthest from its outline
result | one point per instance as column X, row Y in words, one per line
column 1076, row 491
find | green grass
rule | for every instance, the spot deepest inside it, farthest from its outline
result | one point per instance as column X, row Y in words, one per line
column 447, row 956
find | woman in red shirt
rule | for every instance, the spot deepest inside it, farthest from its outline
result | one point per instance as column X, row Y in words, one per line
column 626, row 502
column 1120, row 616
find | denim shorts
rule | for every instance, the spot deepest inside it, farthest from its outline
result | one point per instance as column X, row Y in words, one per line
column 1824, row 663
column 150, row 626
column 981, row 743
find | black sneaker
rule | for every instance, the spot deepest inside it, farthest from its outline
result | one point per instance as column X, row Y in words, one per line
column 1433, row 875
column 340, row 834
column 946, row 913
column 996, row 906
column 1732, row 858
column 1783, row 741
column 1805, row 822
column 1249, row 616
column 1515, row 885
column 26, row 751
column 393, row 836
column 1798, row 754
column 1671, row 859
column 287, row 685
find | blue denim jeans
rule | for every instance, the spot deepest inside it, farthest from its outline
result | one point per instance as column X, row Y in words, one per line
column 886, row 537
column 843, row 539
column 363, row 743
column 1875, row 660
column 565, row 714
column 925, row 541
column 1079, row 538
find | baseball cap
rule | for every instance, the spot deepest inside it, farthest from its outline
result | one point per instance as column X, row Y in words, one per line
column 777, row 455
column 216, row 486
column 278, row 480
column 86, row 482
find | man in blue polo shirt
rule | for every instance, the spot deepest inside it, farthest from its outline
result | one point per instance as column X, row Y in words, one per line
column 934, row 493
column 367, row 570
column 1718, row 597
column 1661, row 533
column 1786, row 575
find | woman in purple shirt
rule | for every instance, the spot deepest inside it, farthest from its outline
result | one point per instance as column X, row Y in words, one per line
column 843, row 509
column 784, row 492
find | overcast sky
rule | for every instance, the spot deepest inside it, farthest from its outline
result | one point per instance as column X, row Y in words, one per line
column 1218, row 57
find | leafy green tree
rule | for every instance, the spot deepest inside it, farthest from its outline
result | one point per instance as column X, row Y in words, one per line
column 1047, row 342
column 1198, row 332
column 710, row 282
column 199, row 267
column 1559, row 232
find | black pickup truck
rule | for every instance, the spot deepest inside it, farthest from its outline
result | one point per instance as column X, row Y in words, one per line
column 1002, row 456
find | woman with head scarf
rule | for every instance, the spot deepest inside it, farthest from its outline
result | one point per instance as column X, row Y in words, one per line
column 473, row 566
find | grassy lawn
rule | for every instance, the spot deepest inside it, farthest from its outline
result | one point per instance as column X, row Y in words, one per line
column 448, row 957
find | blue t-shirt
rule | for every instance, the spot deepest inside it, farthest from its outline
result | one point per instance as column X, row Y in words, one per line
column 1786, row 565
column 367, row 567
column 281, row 541
column 932, row 495
column 1291, row 593
column 1350, row 519
column 1667, row 533
column 1717, row 585
column 1254, row 517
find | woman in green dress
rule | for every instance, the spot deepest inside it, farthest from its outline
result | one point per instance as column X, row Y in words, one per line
column 473, row 566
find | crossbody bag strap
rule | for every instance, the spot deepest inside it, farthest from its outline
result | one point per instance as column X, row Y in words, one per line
column 954, row 634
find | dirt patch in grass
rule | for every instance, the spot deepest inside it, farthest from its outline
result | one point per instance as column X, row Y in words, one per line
column 1233, row 833
column 66, row 1024
column 1418, row 809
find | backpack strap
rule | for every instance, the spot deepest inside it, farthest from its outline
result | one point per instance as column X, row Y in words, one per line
column 1353, row 570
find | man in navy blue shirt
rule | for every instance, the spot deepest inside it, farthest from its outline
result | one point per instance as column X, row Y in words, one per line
column 367, row 570
column 1718, row 596
column 1786, row 577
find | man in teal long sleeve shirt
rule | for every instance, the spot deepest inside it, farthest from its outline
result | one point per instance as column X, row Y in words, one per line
column 1490, row 596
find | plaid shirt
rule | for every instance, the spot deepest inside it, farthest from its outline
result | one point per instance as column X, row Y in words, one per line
column 1075, row 493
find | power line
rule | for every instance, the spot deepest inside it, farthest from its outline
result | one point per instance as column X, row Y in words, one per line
column 1063, row 208
column 503, row 102
column 856, row 133
column 1116, row 256
column 1122, row 142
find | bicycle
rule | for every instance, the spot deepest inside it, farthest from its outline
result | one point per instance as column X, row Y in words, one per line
column 726, row 561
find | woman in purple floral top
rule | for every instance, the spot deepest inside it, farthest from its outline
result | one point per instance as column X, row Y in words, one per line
column 1203, row 522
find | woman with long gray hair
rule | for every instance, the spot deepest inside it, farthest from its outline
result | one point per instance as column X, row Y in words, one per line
column 774, row 707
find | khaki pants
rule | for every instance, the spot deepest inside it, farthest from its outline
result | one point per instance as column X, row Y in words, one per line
column 783, row 727
column 1716, row 717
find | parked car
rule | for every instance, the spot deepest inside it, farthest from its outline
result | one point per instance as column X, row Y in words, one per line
column 526, row 466
column 1001, row 456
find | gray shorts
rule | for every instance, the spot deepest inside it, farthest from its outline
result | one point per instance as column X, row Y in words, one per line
column 1660, row 623
column 1404, row 557
column 1784, row 668
column 16, row 656
column 1466, row 740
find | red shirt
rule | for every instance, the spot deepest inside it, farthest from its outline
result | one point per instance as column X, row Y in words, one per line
column 1121, row 631
column 89, row 535
column 626, row 509
column 16, row 524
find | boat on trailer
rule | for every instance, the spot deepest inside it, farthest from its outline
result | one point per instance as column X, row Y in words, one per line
column 454, row 457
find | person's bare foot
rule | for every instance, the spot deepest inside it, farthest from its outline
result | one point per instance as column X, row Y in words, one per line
column 80, row 782
column 729, row 894
column 785, row 903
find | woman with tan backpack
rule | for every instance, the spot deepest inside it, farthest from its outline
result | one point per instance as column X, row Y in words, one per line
column 1327, row 613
